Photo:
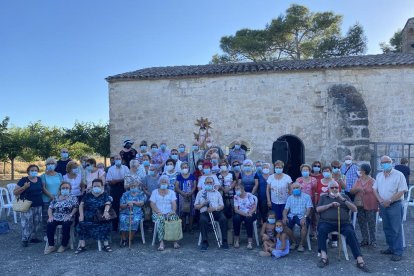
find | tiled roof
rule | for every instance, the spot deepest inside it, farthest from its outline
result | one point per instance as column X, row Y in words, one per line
column 276, row 66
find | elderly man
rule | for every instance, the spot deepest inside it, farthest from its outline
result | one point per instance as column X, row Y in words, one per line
column 389, row 188
column 350, row 170
column 207, row 201
column 297, row 212
column 115, row 178
column 328, row 208
column 63, row 162
column 237, row 153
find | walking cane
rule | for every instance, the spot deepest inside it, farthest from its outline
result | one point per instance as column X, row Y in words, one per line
column 130, row 226
column 339, row 233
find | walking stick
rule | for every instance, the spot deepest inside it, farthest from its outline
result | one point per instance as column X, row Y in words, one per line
column 339, row 233
column 130, row 226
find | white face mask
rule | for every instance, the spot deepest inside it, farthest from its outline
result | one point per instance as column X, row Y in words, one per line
column 200, row 167
column 223, row 168
column 170, row 167
column 184, row 171
column 348, row 162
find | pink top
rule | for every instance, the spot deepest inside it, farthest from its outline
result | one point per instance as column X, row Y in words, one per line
column 367, row 193
column 308, row 187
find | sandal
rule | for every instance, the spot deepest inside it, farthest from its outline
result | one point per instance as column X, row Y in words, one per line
column 363, row 267
column 160, row 248
column 249, row 246
column 176, row 245
column 364, row 243
column 107, row 248
column 323, row 262
column 80, row 249
column 236, row 244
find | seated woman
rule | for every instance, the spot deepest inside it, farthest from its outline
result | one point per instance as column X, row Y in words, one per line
column 88, row 227
column 164, row 207
column 131, row 212
column 61, row 212
column 244, row 210
column 268, row 233
column 282, row 246
column 328, row 207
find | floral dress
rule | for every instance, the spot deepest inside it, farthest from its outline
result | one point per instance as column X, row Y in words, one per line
column 88, row 228
column 136, row 215
column 186, row 185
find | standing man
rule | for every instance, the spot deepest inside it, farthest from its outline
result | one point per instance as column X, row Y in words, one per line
column 350, row 170
column 237, row 153
column 115, row 179
column 389, row 188
column 63, row 162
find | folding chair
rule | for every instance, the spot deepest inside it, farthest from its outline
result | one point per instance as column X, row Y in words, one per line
column 6, row 203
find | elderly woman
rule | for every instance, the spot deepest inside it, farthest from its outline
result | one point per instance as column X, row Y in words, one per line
column 61, row 211
column 367, row 205
column 244, row 210
column 143, row 150
column 92, row 172
column 215, row 161
column 164, row 207
column 133, row 174
column 316, row 170
column 328, row 207
column 143, row 169
column 30, row 188
column 249, row 178
column 171, row 173
column 51, row 181
column 185, row 187
column 182, row 154
column 277, row 191
column 131, row 212
column 227, row 183
column 337, row 174
column 74, row 177
column 262, row 186
column 94, row 202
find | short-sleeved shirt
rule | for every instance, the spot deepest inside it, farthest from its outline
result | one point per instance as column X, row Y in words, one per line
column 75, row 183
column 245, row 204
column 34, row 192
column 91, row 176
column 368, row 197
column 350, row 174
column 163, row 203
column 62, row 207
column 405, row 171
column 61, row 166
column 116, row 172
column 331, row 215
column 236, row 155
column 387, row 186
column 52, row 184
column 226, row 182
column 186, row 184
column 279, row 188
column 298, row 205
column 202, row 178
column 248, row 181
column 172, row 178
column 215, row 198
column 308, row 187
column 151, row 183
column 262, row 187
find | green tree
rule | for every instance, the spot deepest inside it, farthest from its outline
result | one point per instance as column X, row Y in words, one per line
column 298, row 34
column 394, row 45
column 14, row 144
column 99, row 140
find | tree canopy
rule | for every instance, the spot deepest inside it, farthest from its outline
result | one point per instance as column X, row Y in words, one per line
column 299, row 34
column 394, row 45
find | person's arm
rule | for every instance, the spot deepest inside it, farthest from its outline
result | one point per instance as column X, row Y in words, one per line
column 177, row 188
column 283, row 240
column 285, row 213
column 81, row 215
column 262, row 230
column 256, row 185
column 269, row 203
column 49, row 214
column 154, row 208
column 174, row 206
column 20, row 189
column 356, row 188
column 236, row 208
column 323, row 207
column 46, row 192
column 347, row 202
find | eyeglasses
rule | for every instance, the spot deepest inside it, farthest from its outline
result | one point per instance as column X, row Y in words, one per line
column 317, row 166
column 332, row 188
column 88, row 165
column 208, row 182
column 64, row 152
column 335, row 167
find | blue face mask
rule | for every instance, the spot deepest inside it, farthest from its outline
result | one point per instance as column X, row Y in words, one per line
column 50, row 167
column 214, row 161
column 164, row 186
column 266, row 171
column 195, row 148
column 154, row 150
column 118, row 163
column 208, row 187
column 174, row 156
column 386, row 166
column 278, row 170
column 258, row 168
column 316, row 169
column 97, row 190
column 271, row 220
column 76, row 171
column 305, row 173
column 65, row 192
column 146, row 163
column 89, row 168
column 296, row 192
column 238, row 192
column 64, row 155
column 143, row 148
column 279, row 229
column 33, row 173
column 335, row 170
column 237, row 147
column 181, row 149
column 206, row 171
column 152, row 173
column 134, row 190
column 236, row 168
column 163, row 146
column 326, row 174
column 247, row 169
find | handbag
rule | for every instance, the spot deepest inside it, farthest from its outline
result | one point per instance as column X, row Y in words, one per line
column 186, row 208
column 21, row 204
column 173, row 230
column 100, row 218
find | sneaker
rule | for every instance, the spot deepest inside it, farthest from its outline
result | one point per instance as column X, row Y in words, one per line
column 293, row 246
column 249, row 246
column 224, row 245
column 124, row 243
column 61, row 249
column 386, row 252
column 334, row 244
column 25, row 243
column 50, row 249
column 35, row 240
column 204, row 246
column 396, row 258
column 301, row 248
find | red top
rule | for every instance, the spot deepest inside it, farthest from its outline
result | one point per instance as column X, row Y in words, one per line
column 323, row 189
column 368, row 197
column 308, row 187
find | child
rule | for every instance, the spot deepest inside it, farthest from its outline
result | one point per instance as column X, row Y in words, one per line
column 268, row 234
column 282, row 243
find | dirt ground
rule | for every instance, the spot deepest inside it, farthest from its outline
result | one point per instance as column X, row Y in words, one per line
column 189, row 260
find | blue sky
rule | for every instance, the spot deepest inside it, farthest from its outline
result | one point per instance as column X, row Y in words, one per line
column 54, row 55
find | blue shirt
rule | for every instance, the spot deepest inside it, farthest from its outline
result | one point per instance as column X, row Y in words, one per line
column 297, row 205
column 262, row 187
column 52, row 184
column 351, row 175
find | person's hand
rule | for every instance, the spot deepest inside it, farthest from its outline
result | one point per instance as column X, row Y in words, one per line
column 335, row 204
column 285, row 221
column 26, row 185
column 50, row 219
column 303, row 221
column 386, row 203
column 81, row 217
column 206, row 203
column 211, row 209
column 106, row 215
column 130, row 204
column 340, row 197
column 265, row 237
column 269, row 204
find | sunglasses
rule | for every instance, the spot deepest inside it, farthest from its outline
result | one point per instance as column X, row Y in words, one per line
column 208, row 183
column 317, row 166
column 335, row 167
column 332, row 188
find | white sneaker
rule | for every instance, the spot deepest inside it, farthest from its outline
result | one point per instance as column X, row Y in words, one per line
column 334, row 244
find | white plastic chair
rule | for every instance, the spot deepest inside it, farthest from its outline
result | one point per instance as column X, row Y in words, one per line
column 6, row 203
column 404, row 218
column 408, row 199
column 11, row 187
column 58, row 236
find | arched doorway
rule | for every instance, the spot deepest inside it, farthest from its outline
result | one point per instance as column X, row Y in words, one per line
column 289, row 149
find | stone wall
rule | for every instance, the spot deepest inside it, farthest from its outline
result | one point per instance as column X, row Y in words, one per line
column 259, row 108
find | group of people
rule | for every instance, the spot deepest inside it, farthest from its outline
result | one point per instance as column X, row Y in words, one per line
column 168, row 185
